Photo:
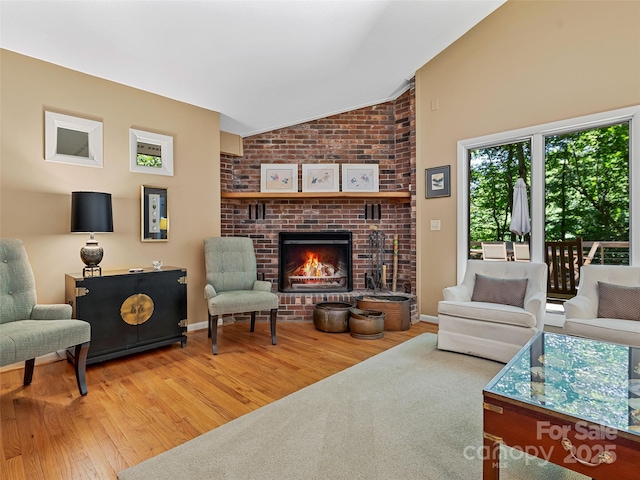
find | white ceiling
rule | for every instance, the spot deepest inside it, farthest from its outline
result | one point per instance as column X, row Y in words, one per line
column 262, row 64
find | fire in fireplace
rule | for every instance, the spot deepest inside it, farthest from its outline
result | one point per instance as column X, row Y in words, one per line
column 315, row 262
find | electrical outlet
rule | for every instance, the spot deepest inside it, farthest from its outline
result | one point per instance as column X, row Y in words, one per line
column 435, row 224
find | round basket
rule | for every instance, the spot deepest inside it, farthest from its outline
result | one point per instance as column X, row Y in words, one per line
column 366, row 324
column 332, row 317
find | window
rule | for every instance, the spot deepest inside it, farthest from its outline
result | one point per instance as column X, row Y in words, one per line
column 587, row 191
column 542, row 138
column 493, row 173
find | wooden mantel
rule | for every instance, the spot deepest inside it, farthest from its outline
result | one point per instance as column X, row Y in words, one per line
column 395, row 196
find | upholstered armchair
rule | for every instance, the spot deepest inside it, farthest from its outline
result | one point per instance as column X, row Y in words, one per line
column 496, row 309
column 232, row 284
column 29, row 330
column 607, row 306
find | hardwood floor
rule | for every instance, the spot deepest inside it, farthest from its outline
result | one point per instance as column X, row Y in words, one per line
column 145, row 404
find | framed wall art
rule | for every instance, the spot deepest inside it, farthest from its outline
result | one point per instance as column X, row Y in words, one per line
column 150, row 153
column 320, row 178
column 359, row 177
column 75, row 140
column 279, row 177
column 438, row 182
column 154, row 214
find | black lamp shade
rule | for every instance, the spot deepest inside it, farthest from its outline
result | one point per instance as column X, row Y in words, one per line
column 91, row 212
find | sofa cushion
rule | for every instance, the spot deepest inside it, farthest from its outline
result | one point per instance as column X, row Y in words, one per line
column 614, row 330
column 488, row 312
column 506, row 291
column 618, row 301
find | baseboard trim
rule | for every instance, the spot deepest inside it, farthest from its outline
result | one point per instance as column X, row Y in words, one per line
column 429, row 319
column 192, row 327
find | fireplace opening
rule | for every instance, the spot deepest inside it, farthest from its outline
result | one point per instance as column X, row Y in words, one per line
column 315, row 262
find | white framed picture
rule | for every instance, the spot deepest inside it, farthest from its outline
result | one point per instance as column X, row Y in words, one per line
column 360, row 177
column 72, row 140
column 279, row 177
column 150, row 153
column 320, row 178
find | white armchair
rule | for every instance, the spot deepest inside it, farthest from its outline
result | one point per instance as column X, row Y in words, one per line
column 587, row 316
column 471, row 320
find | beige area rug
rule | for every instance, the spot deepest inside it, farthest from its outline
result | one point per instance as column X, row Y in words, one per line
column 411, row 412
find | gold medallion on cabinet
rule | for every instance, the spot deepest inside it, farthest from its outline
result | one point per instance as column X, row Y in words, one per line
column 137, row 309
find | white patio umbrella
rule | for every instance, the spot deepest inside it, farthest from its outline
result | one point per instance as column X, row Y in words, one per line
column 520, row 221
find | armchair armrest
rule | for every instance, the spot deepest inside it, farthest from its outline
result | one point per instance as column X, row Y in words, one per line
column 209, row 291
column 580, row 306
column 262, row 286
column 534, row 303
column 459, row 293
column 60, row 311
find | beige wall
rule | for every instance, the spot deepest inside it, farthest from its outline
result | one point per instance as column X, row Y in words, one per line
column 35, row 195
column 526, row 64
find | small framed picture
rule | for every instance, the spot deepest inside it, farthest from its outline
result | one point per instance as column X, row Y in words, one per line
column 154, row 214
column 320, row 178
column 279, row 177
column 150, row 153
column 359, row 177
column 72, row 140
column 438, row 182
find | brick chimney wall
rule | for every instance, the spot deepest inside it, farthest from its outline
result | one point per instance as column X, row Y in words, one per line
column 382, row 134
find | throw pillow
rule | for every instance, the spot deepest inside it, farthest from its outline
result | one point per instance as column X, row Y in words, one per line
column 507, row 291
column 618, row 301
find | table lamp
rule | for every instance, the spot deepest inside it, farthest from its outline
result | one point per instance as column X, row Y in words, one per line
column 91, row 212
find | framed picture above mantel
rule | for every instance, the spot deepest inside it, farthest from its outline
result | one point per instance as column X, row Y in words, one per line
column 320, row 178
column 360, row 177
column 279, row 177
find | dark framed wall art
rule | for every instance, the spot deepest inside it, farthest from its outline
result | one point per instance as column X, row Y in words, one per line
column 438, row 182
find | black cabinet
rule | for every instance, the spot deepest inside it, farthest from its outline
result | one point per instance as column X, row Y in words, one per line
column 130, row 312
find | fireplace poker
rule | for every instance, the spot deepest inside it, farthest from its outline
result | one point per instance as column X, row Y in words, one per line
column 377, row 251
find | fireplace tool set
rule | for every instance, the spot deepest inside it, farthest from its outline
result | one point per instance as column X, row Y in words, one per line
column 376, row 279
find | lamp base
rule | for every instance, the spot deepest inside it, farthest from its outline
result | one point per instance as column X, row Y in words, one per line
column 91, row 254
column 92, row 272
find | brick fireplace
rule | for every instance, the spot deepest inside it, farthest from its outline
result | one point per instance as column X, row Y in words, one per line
column 383, row 134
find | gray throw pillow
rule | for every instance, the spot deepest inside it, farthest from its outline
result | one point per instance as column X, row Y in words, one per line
column 618, row 301
column 507, row 291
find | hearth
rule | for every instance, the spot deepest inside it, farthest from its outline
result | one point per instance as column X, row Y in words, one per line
column 315, row 262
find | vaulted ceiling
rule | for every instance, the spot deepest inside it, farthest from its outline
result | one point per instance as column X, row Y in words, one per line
column 262, row 64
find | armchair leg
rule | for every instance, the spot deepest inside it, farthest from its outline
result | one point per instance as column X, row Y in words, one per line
column 28, row 371
column 272, row 321
column 253, row 321
column 80, row 365
column 213, row 329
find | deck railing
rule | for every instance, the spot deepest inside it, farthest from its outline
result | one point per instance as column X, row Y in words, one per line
column 596, row 251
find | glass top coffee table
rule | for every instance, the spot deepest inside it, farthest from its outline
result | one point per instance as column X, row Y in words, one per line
column 572, row 401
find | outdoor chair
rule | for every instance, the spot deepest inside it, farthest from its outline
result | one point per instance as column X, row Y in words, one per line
column 232, row 284
column 29, row 330
column 494, row 251
column 521, row 252
column 564, row 259
column 607, row 306
column 496, row 309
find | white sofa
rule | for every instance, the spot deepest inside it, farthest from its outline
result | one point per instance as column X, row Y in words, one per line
column 491, row 330
column 581, row 312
